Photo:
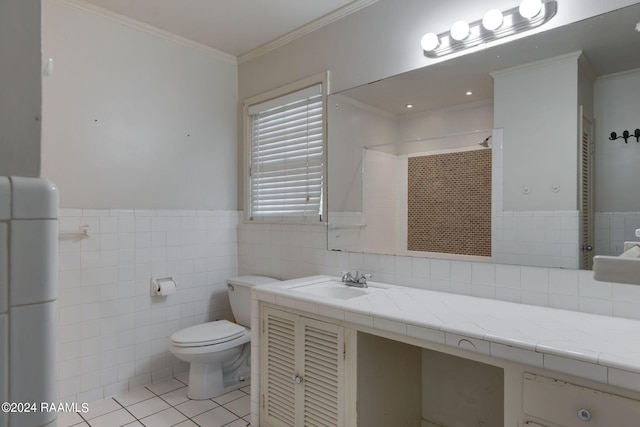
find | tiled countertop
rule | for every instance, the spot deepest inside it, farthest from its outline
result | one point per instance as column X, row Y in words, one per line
column 601, row 348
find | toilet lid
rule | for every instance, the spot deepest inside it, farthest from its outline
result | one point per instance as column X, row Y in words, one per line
column 207, row 334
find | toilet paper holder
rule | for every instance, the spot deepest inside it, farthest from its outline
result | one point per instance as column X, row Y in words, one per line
column 163, row 286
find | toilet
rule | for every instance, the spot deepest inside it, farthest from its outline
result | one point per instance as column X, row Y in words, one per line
column 219, row 352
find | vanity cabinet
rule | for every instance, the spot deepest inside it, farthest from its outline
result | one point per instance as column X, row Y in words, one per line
column 325, row 366
column 301, row 370
column 560, row 403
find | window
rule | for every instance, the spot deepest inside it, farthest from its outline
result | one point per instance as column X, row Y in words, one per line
column 287, row 156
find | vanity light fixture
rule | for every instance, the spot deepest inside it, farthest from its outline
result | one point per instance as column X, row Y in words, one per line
column 530, row 8
column 492, row 20
column 429, row 42
column 625, row 135
column 459, row 30
column 493, row 25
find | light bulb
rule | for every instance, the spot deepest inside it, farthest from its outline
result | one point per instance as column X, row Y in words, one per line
column 492, row 20
column 460, row 30
column 429, row 42
column 530, row 8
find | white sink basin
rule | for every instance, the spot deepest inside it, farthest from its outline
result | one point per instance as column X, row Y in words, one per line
column 333, row 289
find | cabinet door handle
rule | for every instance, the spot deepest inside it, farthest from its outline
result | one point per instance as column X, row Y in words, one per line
column 296, row 378
column 584, row 414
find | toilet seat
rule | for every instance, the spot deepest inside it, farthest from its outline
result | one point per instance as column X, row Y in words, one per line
column 207, row 334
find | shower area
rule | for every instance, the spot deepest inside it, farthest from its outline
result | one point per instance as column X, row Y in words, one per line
column 428, row 196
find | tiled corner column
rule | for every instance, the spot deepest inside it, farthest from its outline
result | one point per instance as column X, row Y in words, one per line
column 28, row 294
column 537, row 238
column 5, row 216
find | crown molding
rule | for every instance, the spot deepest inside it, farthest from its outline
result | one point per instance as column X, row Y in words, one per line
column 149, row 29
column 363, row 106
column 306, row 29
column 618, row 74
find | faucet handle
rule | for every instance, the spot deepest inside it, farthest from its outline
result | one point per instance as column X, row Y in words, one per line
column 363, row 278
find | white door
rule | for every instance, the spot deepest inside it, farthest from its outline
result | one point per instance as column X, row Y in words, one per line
column 586, row 192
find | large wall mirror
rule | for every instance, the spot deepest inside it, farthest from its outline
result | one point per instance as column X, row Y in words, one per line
column 503, row 155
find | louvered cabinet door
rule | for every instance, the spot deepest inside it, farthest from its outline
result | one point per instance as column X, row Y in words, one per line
column 301, row 371
column 322, row 373
column 278, row 363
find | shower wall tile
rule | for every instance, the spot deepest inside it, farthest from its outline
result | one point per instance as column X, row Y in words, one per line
column 113, row 335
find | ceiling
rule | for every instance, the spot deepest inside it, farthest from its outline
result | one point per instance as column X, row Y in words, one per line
column 610, row 42
column 235, row 27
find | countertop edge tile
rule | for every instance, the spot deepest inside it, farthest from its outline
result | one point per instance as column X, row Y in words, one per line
column 516, row 354
column 576, row 367
column 624, row 379
column 426, row 333
column 445, row 318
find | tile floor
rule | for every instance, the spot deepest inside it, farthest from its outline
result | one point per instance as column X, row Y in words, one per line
column 164, row 404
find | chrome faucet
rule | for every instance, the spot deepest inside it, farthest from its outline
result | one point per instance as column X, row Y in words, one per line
column 357, row 280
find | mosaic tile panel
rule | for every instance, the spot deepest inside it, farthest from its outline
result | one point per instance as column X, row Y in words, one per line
column 449, row 207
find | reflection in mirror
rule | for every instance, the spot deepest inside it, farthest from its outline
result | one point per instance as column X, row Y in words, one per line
column 560, row 186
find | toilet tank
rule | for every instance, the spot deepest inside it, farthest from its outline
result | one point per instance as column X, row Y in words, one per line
column 240, row 295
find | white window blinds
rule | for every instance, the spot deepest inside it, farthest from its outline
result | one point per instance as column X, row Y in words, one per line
column 287, row 156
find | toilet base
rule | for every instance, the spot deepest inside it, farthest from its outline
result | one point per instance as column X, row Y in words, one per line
column 208, row 380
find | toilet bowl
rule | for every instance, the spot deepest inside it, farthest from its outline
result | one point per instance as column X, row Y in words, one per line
column 218, row 352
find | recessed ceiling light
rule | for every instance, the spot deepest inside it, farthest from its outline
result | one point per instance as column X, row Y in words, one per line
column 469, row 93
column 409, row 105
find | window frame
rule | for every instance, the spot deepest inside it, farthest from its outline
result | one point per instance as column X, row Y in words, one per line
column 323, row 80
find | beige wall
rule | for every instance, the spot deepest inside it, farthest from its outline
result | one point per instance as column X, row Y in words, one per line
column 380, row 41
column 537, row 105
column 132, row 120
column 616, row 184
column 20, row 93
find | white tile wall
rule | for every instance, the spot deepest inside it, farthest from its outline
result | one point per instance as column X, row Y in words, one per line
column 612, row 229
column 538, row 238
column 381, row 200
column 294, row 251
column 113, row 335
